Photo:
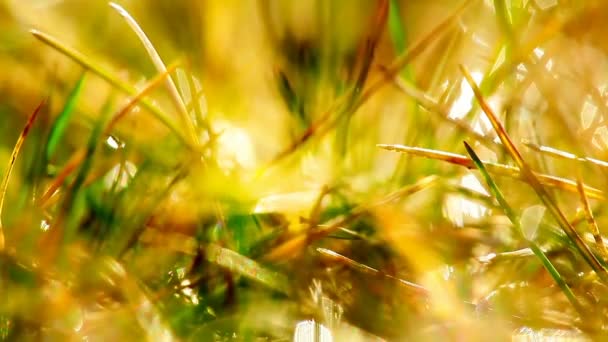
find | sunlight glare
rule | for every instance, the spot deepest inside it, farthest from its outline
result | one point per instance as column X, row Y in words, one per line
column 234, row 147
column 311, row 331
column 457, row 208
column 463, row 103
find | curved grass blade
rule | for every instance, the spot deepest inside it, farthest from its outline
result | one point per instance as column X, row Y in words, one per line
column 111, row 79
column 499, row 169
column 61, row 123
column 519, row 231
column 534, row 182
column 11, row 165
column 161, row 68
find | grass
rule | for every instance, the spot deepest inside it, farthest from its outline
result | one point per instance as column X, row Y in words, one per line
column 284, row 171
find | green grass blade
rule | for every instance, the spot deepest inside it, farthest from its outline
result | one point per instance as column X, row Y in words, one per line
column 161, row 68
column 513, row 217
column 395, row 26
column 534, row 182
column 110, row 78
column 61, row 123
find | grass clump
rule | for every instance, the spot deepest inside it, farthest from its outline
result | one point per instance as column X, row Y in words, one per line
column 252, row 171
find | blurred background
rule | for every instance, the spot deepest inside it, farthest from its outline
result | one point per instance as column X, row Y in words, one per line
column 282, row 90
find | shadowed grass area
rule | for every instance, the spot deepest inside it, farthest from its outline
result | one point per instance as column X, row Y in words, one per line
column 295, row 170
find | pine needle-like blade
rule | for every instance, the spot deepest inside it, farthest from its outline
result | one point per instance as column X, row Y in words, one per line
column 513, row 217
column 534, row 182
column 494, row 168
column 11, row 165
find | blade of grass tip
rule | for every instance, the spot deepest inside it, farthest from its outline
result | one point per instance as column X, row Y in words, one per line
column 595, row 230
column 11, row 164
column 111, row 79
column 398, row 64
column 534, row 182
column 292, row 247
column 519, row 231
column 499, row 169
column 160, row 67
column 61, row 123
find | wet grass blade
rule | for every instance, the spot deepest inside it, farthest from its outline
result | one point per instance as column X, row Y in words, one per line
column 111, row 79
column 595, row 230
column 499, row 169
column 11, row 165
column 61, row 123
column 160, row 68
column 513, row 217
column 534, row 182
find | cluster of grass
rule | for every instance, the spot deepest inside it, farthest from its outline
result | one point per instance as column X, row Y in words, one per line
column 305, row 170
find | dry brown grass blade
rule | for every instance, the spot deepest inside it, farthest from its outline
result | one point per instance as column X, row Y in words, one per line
column 534, row 182
column 595, row 230
column 418, row 289
column 499, row 169
column 293, row 247
column 400, row 62
column 79, row 156
column 11, row 165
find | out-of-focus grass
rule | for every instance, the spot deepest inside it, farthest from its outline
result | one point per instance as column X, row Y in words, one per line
column 211, row 170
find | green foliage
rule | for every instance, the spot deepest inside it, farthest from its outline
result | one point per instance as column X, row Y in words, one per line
column 298, row 170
